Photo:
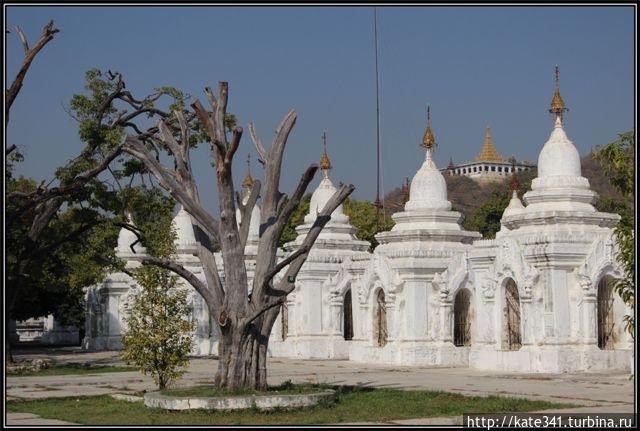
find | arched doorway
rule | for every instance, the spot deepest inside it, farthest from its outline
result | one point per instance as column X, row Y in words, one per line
column 605, row 314
column 347, row 317
column 380, row 320
column 512, row 339
column 284, row 314
column 461, row 318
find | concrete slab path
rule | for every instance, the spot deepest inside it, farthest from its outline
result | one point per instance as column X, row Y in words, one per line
column 612, row 392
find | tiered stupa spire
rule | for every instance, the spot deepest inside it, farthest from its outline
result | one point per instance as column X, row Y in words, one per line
column 557, row 104
column 428, row 140
column 489, row 152
column 428, row 188
column 325, row 163
column 247, row 183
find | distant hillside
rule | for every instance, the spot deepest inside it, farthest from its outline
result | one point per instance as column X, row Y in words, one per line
column 597, row 180
column 466, row 195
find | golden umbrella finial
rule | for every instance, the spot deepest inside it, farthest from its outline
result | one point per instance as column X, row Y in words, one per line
column 325, row 163
column 248, row 179
column 557, row 104
column 428, row 140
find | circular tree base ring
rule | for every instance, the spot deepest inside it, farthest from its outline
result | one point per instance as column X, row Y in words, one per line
column 261, row 402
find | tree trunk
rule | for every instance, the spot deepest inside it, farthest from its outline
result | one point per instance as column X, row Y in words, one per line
column 242, row 351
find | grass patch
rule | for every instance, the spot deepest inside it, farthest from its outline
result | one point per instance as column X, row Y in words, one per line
column 286, row 388
column 72, row 368
column 354, row 404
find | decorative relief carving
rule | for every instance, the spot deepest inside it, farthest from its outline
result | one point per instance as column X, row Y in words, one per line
column 379, row 269
column 510, row 263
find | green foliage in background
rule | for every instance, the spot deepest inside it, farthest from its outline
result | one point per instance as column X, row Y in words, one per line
column 617, row 161
column 362, row 215
column 57, row 275
column 486, row 218
column 367, row 220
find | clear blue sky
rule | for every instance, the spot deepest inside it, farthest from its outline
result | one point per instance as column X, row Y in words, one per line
column 475, row 66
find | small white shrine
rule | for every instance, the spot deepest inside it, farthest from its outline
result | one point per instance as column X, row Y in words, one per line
column 537, row 298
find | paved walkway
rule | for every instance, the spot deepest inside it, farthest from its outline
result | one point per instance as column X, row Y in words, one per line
column 28, row 419
column 599, row 392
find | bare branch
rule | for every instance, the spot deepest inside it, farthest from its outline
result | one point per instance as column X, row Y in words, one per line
column 292, row 204
column 237, row 134
column 210, row 269
column 258, row 144
column 180, row 270
column 134, row 147
column 30, row 55
column 287, row 283
column 209, row 126
column 43, row 194
column 246, row 210
column 274, row 162
column 25, row 44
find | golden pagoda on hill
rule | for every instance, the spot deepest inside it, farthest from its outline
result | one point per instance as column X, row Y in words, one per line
column 489, row 165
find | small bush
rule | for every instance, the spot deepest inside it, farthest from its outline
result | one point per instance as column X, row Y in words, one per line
column 158, row 339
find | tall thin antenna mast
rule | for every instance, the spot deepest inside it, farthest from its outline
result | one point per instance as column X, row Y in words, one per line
column 378, row 203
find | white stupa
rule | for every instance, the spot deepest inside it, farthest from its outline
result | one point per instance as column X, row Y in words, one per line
column 185, row 235
column 306, row 329
column 559, row 191
column 428, row 212
column 337, row 233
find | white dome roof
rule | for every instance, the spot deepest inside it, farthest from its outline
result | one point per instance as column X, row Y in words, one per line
column 559, row 156
column 514, row 207
column 428, row 188
column 183, row 226
column 320, row 197
column 559, row 163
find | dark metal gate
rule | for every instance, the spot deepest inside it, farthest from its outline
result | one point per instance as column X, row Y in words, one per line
column 380, row 321
column 347, row 317
column 514, row 341
column 605, row 315
column 462, row 323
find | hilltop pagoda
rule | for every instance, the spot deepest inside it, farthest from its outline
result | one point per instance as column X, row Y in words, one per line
column 488, row 165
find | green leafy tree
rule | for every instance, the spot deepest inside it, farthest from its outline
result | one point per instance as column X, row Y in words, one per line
column 486, row 218
column 367, row 220
column 158, row 338
column 60, row 234
column 617, row 161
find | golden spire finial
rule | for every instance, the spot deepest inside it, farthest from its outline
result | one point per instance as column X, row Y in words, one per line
column 557, row 104
column 428, row 141
column 248, row 179
column 325, row 163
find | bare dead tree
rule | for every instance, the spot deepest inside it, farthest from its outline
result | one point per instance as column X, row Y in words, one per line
column 30, row 54
column 244, row 319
